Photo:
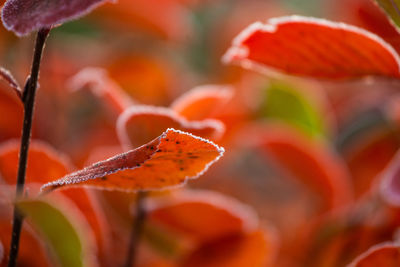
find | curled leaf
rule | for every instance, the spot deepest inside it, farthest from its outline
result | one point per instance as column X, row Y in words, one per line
column 313, row 47
column 12, row 82
column 202, row 102
column 169, row 160
column 24, row 16
column 386, row 254
column 140, row 124
column 61, row 235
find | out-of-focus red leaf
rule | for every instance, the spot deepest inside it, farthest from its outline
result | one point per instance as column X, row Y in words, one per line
column 11, row 81
column 202, row 215
column 202, row 102
column 386, row 254
column 252, row 249
column 367, row 156
column 31, row 251
column 140, row 124
column 165, row 18
column 312, row 162
column 148, row 79
column 44, row 163
column 368, row 15
column 314, row 48
column 25, row 16
column 337, row 239
column 98, row 82
column 10, row 124
column 169, row 160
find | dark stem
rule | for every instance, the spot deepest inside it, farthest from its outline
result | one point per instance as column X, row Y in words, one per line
column 28, row 101
column 137, row 230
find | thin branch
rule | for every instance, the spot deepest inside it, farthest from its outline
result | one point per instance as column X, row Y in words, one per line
column 137, row 230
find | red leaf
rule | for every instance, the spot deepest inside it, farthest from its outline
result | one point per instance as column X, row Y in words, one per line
column 203, row 215
column 140, row 124
column 202, row 102
column 314, row 48
column 367, row 156
column 164, row 18
column 32, row 252
column 169, row 160
column 386, row 254
column 10, row 125
column 254, row 249
column 312, row 162
column 24, row 16
column 9, row 78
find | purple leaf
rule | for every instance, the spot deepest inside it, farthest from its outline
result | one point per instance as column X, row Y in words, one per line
column 9, row 78
column 24, row 16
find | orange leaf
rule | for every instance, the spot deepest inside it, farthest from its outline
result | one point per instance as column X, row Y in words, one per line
column 203, row 215
column 147, row 79
column 202, row 102
column 169, row 160
column 315, row 48
column 140, row 124
column 236, row 251
column 386, row 254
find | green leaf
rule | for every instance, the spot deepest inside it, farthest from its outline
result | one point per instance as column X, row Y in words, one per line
column 283, row 102
column 392, row 9
column 61, row 236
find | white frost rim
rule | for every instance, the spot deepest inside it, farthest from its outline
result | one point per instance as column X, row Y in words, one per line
column 167, row 112
column 237, row 49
